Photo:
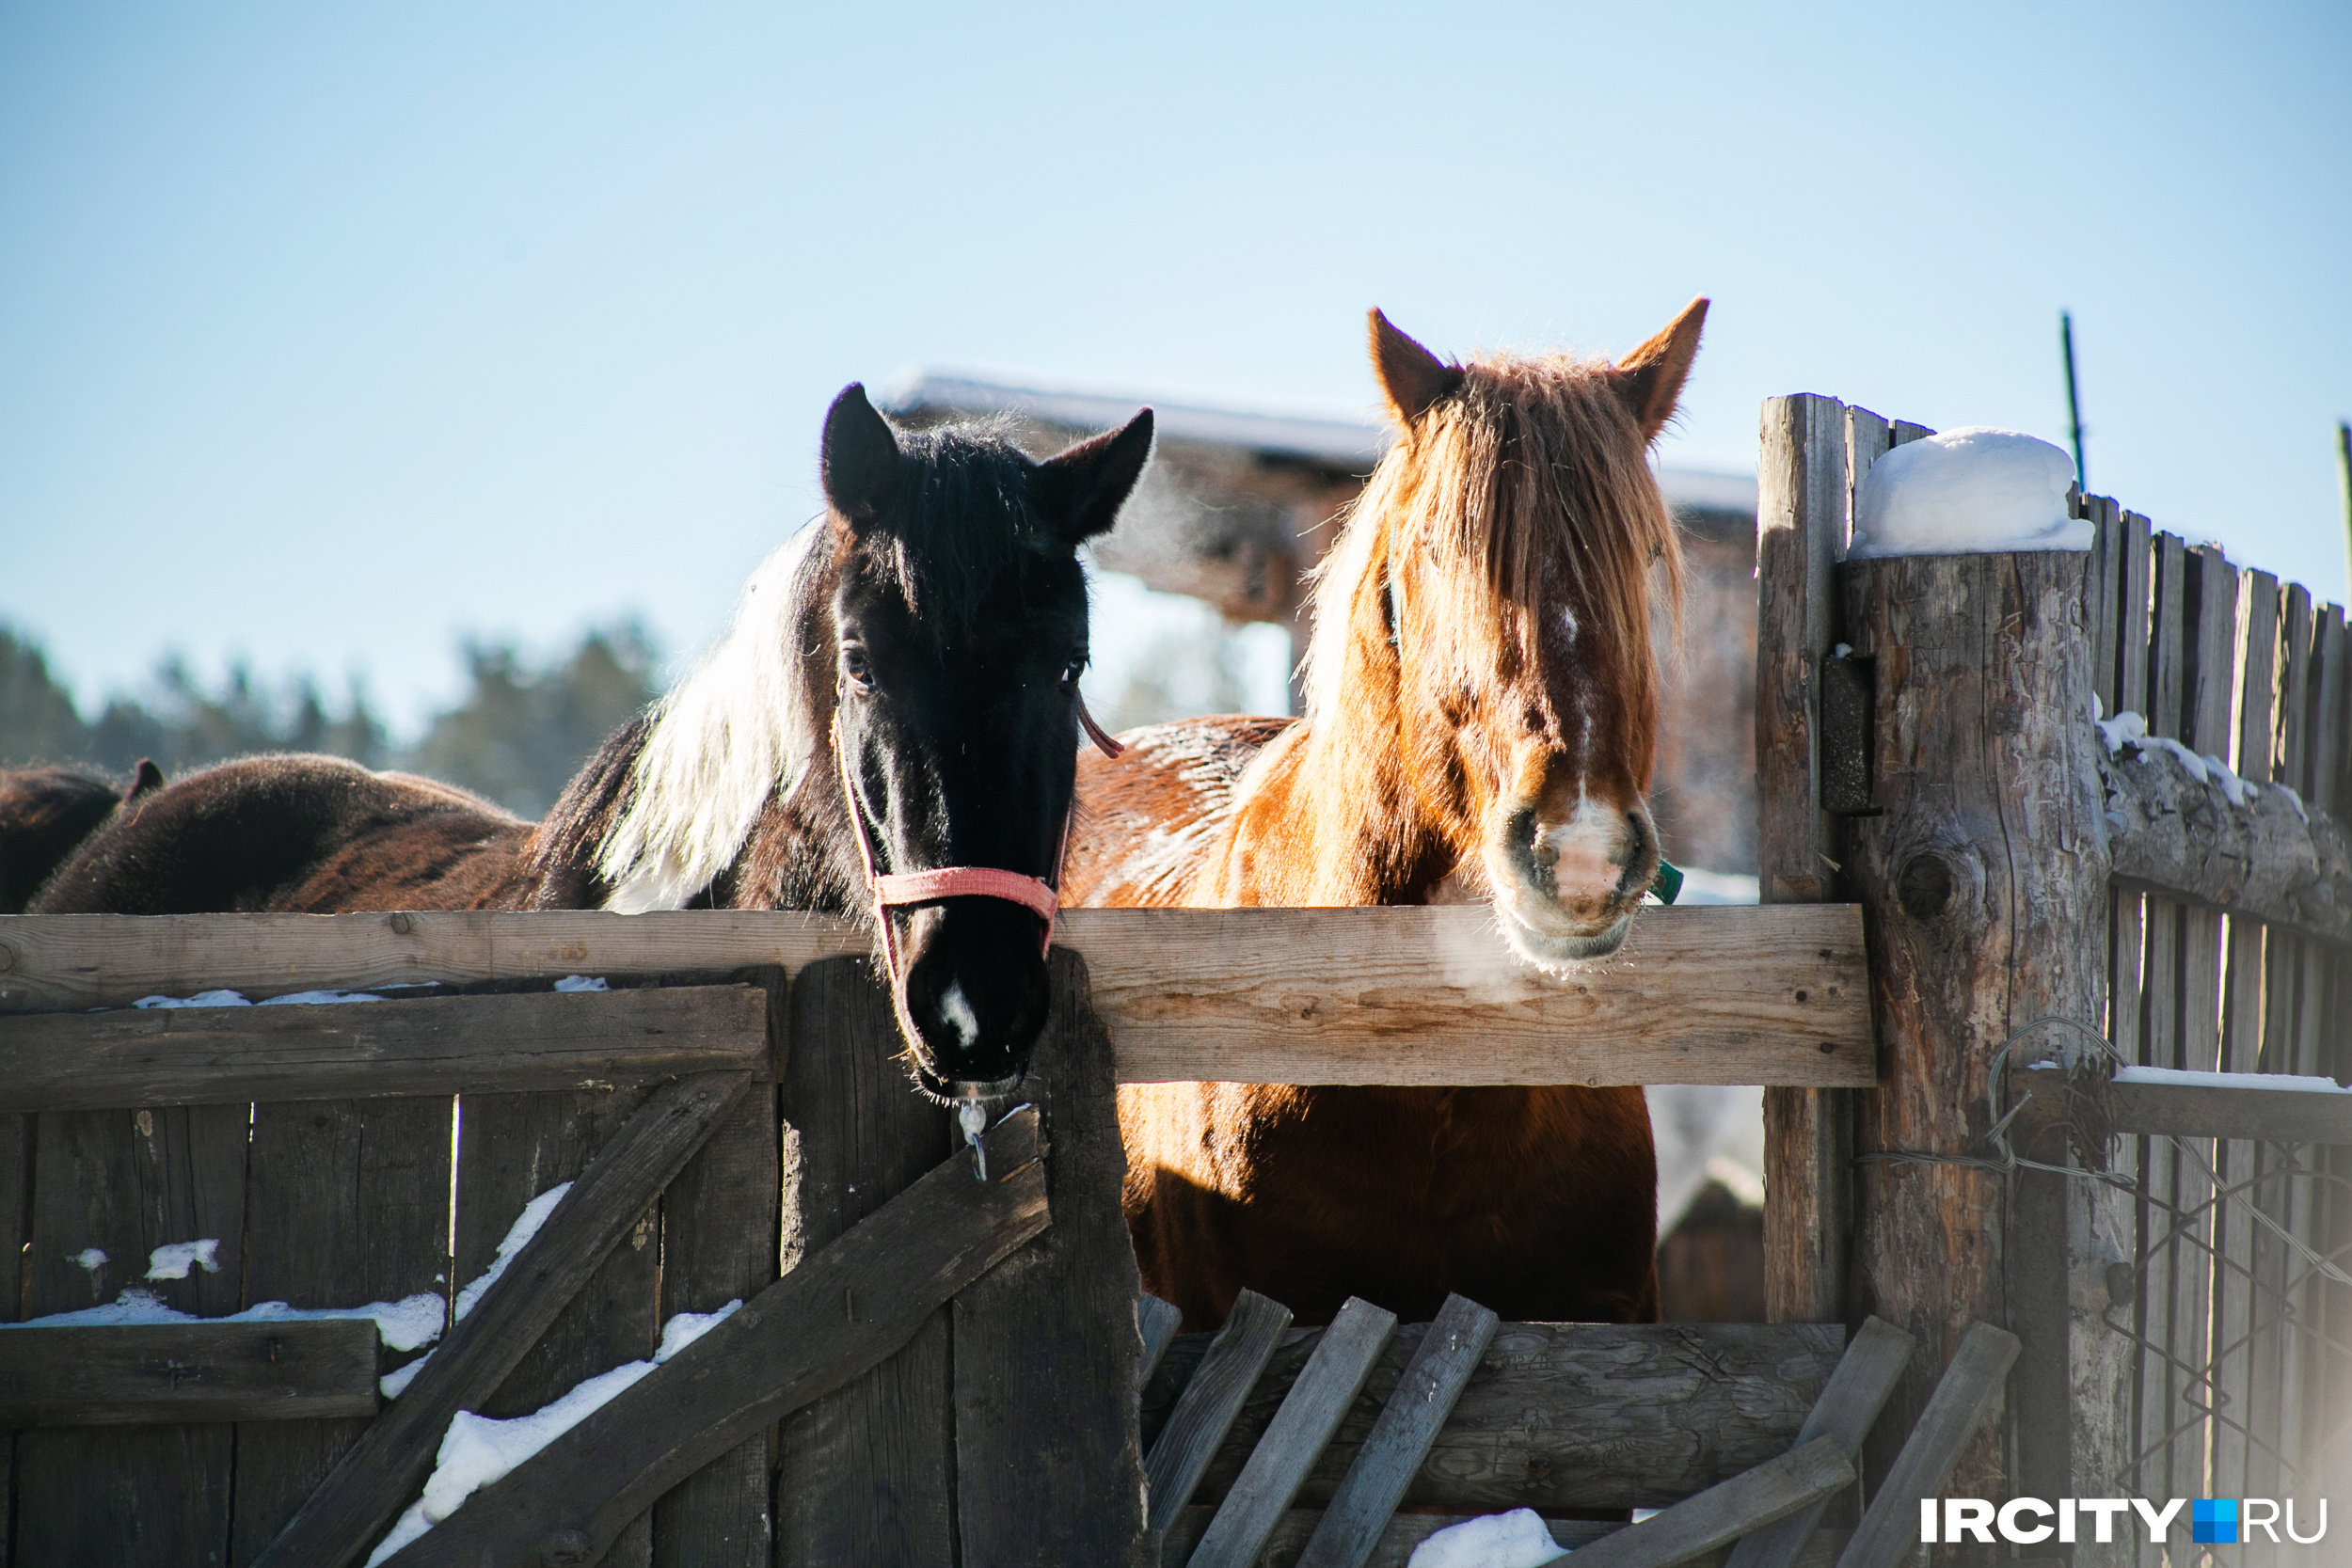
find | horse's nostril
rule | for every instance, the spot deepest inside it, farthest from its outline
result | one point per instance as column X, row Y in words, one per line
column 1543, row 853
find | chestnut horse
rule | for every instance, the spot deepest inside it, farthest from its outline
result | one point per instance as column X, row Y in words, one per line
column 1481, row 706
column 900, row 683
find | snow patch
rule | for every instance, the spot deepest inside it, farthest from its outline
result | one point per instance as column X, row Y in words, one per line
column 478, row 1451
column 581, row 982
column 1519, row 1538
column 238, row 999
column 1717, row 887
column 174, row 1261
column 401, row 1324
column 91, row 1260
column 1971, row 491
column 526, row 1226
column 2129, row 728
column 2228, row 1080
column 395, row 1382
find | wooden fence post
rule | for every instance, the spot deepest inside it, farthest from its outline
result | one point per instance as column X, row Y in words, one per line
column 1803, row 494
column 1984, row 882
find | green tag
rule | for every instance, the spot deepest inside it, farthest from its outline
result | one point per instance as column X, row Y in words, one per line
column 1668, row 885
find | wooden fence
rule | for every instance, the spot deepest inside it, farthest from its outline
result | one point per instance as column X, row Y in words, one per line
column 735, row 1120
column 2040, row 894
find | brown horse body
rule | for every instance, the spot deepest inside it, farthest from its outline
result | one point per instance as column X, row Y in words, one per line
column 1480, row 722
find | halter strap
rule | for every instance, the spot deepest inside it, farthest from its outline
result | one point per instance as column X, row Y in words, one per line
column 896, row 889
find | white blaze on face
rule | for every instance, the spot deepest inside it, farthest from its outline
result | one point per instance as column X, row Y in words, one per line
column 957, row 1008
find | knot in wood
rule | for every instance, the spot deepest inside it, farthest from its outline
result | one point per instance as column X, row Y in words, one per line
column 1928, row 884
column 564, row 1549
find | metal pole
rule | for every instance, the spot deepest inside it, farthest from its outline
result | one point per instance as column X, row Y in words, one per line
column 2343, row 485
column 2074, row 402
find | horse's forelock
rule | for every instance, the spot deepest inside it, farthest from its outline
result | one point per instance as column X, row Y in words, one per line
column 962, row 520
column 1482, row 482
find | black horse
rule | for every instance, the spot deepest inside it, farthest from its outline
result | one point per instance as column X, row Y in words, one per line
column 920, row 650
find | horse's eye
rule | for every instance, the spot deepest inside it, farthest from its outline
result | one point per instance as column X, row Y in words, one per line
column 857, row 668
column 1071, row 671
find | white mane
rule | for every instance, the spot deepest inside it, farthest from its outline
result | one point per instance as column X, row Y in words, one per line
column 728, row 737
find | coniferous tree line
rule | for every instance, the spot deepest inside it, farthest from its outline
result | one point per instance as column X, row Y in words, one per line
column 519, row 734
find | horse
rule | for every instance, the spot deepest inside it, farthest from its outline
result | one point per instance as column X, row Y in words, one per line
column 887, row 730
column 45, row 812
column 1481, row 714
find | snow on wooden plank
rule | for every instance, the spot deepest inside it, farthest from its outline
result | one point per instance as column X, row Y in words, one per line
column 374, row 1480
column 820, row 1326
column 438, row 1045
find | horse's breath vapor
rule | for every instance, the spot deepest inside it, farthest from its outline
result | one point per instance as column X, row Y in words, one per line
column 731, row 734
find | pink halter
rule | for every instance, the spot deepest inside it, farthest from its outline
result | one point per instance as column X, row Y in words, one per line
column 900, row 888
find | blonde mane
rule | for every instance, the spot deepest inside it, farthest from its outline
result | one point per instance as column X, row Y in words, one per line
column 729, row 735
column 1526, row 485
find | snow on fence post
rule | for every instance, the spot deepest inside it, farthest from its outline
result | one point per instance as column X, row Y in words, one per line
column 1984, row 876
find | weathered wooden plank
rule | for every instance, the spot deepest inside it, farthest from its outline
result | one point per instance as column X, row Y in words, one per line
column 1966, row 1393
column 1180, row 1453
column 376, row 1477
column 439, row 1045
column 2253, row 755
column 2218, row 1111
column 824, row 1324
column 1043, row 1358
column 162, row 1373
column 865, row 1472
column 1773, row 1490
column 2209, row 689
column 1408, row 1531
column 1815, row 454
column 122, row 1183
column 719, row 1243
column 1802, row 490
column 1559, row 1416
column 1302, row 1430
column 347, row 1203
column 16, row 1202
column 1156, row 1322
column 1849, row 1407
column 2160, row 1043
column 1400, row 1439
column 511, row 1148
column 1407, row 995
column 72, row 961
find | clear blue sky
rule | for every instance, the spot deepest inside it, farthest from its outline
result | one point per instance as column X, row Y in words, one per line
column 329, row 333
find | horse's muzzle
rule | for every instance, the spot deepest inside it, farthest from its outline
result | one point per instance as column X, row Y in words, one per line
column 972, row 997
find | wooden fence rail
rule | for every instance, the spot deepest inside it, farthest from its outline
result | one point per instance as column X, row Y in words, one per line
column 1425, row 995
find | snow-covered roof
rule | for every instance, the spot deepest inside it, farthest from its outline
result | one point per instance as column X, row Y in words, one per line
column 1337, row 440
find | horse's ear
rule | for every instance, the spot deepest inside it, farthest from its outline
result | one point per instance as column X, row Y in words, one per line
column 859, row 460
column 1411, row 376
column 1650, row 378
column 1079, row 492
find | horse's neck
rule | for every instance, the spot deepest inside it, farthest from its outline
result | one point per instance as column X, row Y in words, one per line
column 1329, row 819
column 798, row 855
